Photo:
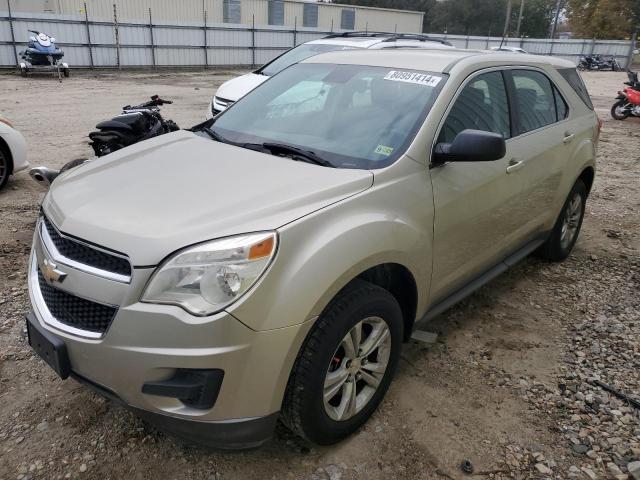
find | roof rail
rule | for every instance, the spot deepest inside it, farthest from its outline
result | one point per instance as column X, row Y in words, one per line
column 392, row 36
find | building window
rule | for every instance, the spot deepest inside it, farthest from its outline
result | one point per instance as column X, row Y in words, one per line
column 231, row 11
column 347, row 18
column 309, row 15
column 276, row 12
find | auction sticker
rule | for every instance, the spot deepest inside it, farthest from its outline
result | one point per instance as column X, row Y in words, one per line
column 383, row 150
column 413, row 77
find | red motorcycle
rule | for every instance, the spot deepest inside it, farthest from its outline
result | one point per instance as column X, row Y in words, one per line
column 628, row 100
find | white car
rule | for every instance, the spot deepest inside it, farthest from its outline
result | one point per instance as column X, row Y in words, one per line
column 13, row 151
column 505, row 48
column 236, row 88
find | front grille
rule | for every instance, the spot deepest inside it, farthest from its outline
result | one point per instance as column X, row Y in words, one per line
column 85, row 254
column 75, row 311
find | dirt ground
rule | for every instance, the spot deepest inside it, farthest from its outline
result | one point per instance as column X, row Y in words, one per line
column 506, row 385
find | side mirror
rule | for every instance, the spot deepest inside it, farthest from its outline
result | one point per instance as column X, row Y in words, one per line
column 471, row 146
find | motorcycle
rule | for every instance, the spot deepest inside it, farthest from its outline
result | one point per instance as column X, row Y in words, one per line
column 628, row 100
column 598, row 62
column 42, row 54
column 136, row 123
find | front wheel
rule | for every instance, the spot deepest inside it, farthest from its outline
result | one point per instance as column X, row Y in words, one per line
column 619, row 110
column 5, row 166
column 567, row 227
column 345, row 366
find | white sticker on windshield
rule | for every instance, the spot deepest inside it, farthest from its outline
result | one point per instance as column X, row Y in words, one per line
column 413, row 77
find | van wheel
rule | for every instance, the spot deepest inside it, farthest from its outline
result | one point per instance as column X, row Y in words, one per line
column 567, row 228
column 345, row 366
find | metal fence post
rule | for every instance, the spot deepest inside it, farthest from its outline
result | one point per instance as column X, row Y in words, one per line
column 466, row 42
column 632, row 47
column 115, row 27
column 593, row 46
column 253, row 41
column 153, row 45
column 13, row 37
column 332, row 25
column 86, row 22
column 206, row 46
column 295, row 31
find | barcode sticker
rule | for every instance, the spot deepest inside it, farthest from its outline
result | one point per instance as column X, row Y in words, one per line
column 413, row 77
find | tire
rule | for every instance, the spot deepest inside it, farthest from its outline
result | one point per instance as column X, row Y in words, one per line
column 618, row 115
column 565, row 232
column 6, row 165
column 66, row 72
column 23, row 72
column 323, row 354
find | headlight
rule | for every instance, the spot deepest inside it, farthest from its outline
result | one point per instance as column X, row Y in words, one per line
column 210, row 276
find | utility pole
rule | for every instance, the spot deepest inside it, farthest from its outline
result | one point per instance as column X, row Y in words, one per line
column 520, row 18
column 507, row 19
column 555, row 20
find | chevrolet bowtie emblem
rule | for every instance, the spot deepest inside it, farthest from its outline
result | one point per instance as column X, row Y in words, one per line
column 50, row 273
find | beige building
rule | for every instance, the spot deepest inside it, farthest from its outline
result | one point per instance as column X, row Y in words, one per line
column 285, row 13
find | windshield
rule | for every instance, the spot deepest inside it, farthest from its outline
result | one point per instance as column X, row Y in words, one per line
column 298, row 54
column 352, row 116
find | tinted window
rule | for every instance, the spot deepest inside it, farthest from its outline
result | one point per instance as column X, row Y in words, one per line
column 562, row 111
column 276, row 12
column 309, row 15
column 481, row 105
column 347, row 19
column 534, row 99
column 231, row 11
column 572, row 77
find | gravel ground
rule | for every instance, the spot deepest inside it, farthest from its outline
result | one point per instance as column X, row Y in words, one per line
column 511, row 384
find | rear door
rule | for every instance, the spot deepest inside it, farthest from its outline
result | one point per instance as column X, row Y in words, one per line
column 478, row 205
column 544, row 138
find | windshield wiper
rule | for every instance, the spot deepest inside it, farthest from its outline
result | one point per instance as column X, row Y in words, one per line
column 214, row 135
column 305, row 155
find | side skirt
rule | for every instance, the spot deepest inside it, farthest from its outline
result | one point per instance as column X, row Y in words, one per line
column 478, row 282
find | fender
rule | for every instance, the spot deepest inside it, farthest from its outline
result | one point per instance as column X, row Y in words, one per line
column 340, row 242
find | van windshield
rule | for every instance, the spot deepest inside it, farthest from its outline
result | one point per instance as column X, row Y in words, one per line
column 349, row 116
column 298, row 54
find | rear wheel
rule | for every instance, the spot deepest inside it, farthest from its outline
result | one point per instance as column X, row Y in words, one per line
column 66, row 72
column 5, row 165
column 345, row 366
column 618, row 110
column 567, row 228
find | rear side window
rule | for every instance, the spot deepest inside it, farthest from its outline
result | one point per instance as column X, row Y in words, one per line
column 481, row 105
column 534, row 96
column 572, row 77
column 562, row 111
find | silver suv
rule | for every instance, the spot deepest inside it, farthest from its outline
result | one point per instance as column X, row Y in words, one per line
column 308, row 229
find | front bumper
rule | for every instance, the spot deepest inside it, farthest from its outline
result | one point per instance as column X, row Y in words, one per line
column 150, row 343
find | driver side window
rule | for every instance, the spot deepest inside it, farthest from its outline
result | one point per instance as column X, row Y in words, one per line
column 481, row 105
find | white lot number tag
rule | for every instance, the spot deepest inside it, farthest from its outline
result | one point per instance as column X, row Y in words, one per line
column 413, row 77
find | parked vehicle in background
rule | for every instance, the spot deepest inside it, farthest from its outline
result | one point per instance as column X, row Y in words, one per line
column 276, row 272
column 628, row 100
column 505, row 48
column 134, row 124
column 232, row 90
column 13, row 151
column 598, row 62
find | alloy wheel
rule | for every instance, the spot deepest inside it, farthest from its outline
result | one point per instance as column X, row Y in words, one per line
column 357, row 368
column 571, row 221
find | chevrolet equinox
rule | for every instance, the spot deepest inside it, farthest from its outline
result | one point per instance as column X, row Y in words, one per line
column 269, row 263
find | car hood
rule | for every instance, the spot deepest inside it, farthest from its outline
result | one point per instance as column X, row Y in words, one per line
column 163, row 194
column 238, row 87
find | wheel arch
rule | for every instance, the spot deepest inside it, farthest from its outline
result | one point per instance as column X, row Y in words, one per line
column 587, row 176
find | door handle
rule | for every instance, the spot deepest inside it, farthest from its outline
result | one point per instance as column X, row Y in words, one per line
column 514, row 165
column 568, row 137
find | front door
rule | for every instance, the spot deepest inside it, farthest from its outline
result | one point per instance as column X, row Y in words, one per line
column 479, row 217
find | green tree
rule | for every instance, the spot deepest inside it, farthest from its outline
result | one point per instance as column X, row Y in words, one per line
column 468, row 17
column 536, row 18
column 602, row 18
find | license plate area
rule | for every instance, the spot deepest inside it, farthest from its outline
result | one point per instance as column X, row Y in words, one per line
column 48, row 347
